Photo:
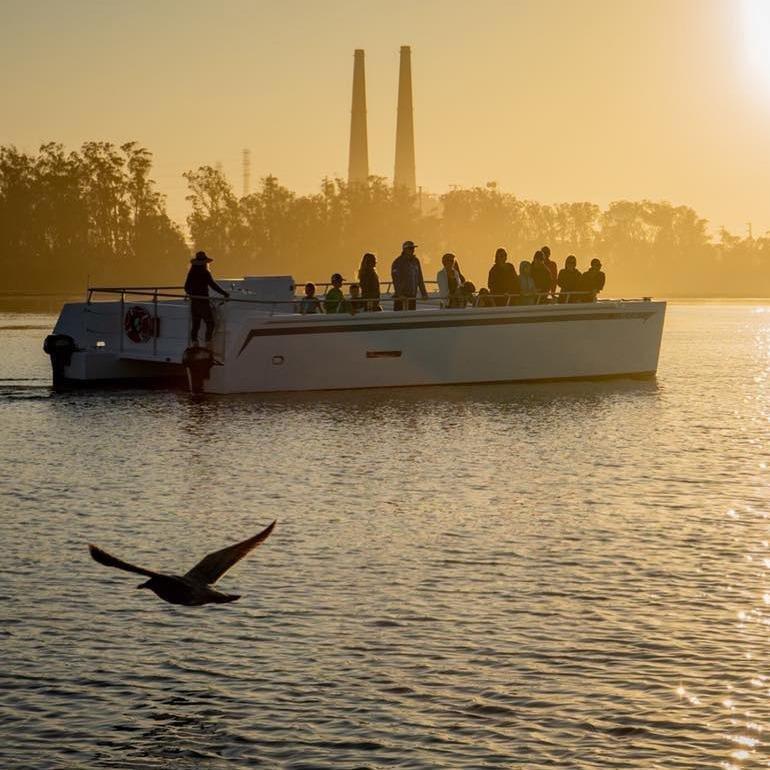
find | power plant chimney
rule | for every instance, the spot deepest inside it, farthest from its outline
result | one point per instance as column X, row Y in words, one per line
column 404, row 175
column 358, row 163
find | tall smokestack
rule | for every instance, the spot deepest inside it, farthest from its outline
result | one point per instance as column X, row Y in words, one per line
column 358, row 163
column 404, row 175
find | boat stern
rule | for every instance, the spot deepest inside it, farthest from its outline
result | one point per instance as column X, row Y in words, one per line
column 97, row 343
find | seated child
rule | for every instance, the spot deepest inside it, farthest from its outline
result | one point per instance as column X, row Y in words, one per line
column 309, row 303
column 334, row 301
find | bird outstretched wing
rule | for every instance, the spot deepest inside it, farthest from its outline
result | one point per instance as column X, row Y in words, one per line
column 111, row 561
column 210, row 568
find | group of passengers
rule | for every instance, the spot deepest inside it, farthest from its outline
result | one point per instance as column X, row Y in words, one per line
column 536, row 282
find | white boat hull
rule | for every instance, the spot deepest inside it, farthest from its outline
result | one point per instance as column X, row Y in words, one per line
column 546, row 342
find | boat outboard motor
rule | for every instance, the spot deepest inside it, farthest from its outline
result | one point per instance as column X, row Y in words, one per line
column 60, row 348
column 198, row 362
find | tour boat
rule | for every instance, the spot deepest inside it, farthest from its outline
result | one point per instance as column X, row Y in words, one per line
column 262, row 343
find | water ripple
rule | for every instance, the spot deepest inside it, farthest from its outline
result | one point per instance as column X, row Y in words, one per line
column 550, row 576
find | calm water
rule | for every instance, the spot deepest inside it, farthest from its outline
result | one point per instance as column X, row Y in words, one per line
column 570, row 576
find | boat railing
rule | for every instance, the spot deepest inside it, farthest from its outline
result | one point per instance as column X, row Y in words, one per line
column 157, row 293
column 459, row 301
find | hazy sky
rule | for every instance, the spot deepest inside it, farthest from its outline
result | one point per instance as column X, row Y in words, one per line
column 556, row 100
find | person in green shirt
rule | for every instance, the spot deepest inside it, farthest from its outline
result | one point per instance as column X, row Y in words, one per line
column 334, row 300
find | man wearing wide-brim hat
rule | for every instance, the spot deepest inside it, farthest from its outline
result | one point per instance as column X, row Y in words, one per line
column 197, row 285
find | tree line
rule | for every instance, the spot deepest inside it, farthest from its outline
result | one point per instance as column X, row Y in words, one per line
column 69, row 218
column 95, row 215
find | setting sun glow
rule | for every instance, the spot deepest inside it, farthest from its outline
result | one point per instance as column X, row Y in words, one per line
column 756, row 32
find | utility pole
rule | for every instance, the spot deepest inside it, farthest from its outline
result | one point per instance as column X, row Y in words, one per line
column 748, row 225
column 246, row 172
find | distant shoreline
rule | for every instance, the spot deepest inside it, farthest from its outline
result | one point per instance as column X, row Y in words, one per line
column 51, row 302
column 36, row 302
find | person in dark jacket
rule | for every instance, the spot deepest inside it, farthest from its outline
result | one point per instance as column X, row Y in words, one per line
column 568, row 280
column 369, row 282
column 552, row 267
column 541, row 275
column 406, row 273
column 502, row 279
column 196, row 286
column 592, row 281
column 528, row 291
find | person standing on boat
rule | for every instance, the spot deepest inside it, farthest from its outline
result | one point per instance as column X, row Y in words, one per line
column 528, row 290
column 196, row 286
column 541, row 275
column 406, row 273
column 553, row 268
column 450, row 281
column 593, row 281
column 502, row 281
column 369, row 282
column 569, row 280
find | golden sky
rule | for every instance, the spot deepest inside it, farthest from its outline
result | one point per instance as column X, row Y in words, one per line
column 556, row 100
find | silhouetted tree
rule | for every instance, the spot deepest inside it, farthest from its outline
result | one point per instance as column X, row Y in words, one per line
column 67, row 216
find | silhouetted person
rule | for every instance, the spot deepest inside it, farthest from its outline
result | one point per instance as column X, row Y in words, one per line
column 406, row 273
column 568, row 280
column 194, row 587
column 541, row 275
column 309, row 303
column 196, row 286
column 370, row 282
column 553, row 268
column 467, row 294
column 528, row 289
column 502, row 279
column 334, row 299
column 357, row 305
column 483, row 299
column 592, row 281
column 449, row 280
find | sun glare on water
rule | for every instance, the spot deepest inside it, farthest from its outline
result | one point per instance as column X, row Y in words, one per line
column 756, row 37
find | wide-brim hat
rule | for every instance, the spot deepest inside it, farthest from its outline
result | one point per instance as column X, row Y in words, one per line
column 201, row 258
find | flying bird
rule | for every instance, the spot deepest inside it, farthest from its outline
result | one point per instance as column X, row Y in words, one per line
column 193, row 588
